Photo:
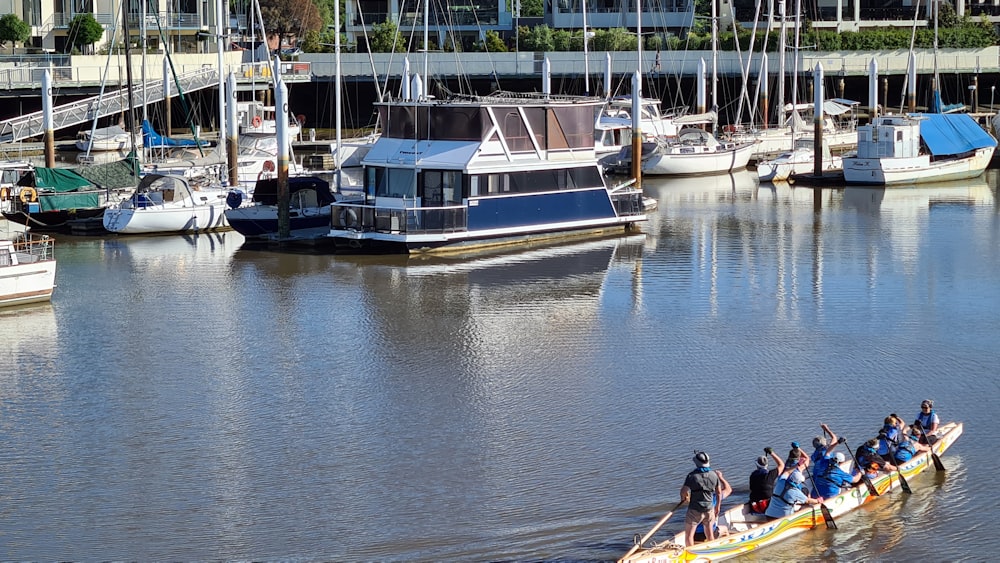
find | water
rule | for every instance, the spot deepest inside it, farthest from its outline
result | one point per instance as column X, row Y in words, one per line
column 185, row 398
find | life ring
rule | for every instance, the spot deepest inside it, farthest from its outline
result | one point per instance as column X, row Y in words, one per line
column 4, row 193
column 268, row 166
column 28, row 195
column 256, row 121
column 348, row 217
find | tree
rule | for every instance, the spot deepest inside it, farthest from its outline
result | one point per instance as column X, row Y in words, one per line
column 531, row 8
column 385, row 38
column 84, row 31
column 13, row 29
column 290, row 18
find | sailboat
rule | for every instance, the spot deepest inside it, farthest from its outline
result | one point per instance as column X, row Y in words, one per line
column 918, row 148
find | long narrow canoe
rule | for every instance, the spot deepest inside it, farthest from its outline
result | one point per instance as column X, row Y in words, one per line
column 745, row 532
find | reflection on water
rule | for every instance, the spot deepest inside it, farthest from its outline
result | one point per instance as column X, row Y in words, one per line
column 192, row 398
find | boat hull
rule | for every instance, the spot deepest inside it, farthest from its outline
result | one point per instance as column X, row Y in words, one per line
column 484, row 222
column 32, row 278
column 915, row 170
column 749, row 532
column 197, row 219
column 675, row 163
column 57, row 221
column 783, row 168
column 261, row 221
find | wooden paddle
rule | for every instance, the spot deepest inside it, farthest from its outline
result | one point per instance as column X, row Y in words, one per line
column 938, row 464
column 650, row 533
column 827, row 516
column 864, row 477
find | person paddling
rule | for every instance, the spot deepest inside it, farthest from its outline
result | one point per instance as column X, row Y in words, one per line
column 928, row 421
column 868, row 459
column 788, row 495
column 823, row 454
column 834, row 479
column 762, row 480
column 701, row 487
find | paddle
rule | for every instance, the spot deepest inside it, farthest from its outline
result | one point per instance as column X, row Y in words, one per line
column 938, row 464
column 864, row 477
column 827, row 516
column 902, row 480
column 650, row 533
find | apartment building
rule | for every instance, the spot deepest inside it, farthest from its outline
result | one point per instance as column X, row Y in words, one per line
column 174, row 23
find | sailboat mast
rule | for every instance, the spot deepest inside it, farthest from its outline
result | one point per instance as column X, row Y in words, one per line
column 129, row 116
column 782, row 46
column 637, row 91
column 586, row 59
column 142, row 43
column 715, row 57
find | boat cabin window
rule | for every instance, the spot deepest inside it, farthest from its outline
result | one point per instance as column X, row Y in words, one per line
column 441, row 187
column 570, row 127
column 533, row 181
column 513, row 129
column 5, row 257
column 391, row 182
column 438, row 123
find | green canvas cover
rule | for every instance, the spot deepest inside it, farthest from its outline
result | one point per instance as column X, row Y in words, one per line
column 123, row 173
column 59, row 179
column 71, row 200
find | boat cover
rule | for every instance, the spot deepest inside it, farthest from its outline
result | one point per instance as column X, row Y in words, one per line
column 266, row 190
column 955, row 133
column 152, row 139
column 55, row 179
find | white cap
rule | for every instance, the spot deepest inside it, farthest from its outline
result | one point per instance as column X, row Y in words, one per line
column 840, row 457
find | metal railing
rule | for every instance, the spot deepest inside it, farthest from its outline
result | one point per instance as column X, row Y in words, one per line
column 409, row 220
column 113, row 102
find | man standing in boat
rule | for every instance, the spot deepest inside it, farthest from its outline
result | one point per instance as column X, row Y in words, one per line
column 701, row 489
column 762, row 480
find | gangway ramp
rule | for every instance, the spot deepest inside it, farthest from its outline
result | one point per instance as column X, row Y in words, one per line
column 110, row 103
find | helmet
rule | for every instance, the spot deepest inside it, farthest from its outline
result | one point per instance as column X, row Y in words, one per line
column 701, row 459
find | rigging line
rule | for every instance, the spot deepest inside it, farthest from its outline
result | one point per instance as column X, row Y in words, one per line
column 188, row 116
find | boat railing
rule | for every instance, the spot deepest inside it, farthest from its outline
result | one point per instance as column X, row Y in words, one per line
column 31, row 247
column 627, row 198
column 400, row 220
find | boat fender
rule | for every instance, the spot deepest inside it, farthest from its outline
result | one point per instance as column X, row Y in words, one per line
column 256, row 121
column 301, row 118
column 28, row 195
column 4, row 193
column 234, row 199
column 348, row 217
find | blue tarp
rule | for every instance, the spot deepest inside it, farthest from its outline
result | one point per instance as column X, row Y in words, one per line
column 151, row 139
column 952, row 133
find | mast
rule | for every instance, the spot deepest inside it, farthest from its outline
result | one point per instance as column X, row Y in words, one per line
column 586, row 60
column 129, row 116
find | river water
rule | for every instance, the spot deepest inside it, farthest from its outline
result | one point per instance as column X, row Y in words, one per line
column 186, row 398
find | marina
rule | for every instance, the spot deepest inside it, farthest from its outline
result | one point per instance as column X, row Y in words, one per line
column 191, row 397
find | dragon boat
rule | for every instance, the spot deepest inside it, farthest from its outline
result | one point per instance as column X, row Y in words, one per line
column 742, row 531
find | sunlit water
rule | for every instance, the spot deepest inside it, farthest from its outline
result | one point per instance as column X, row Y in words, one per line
column 188, row 399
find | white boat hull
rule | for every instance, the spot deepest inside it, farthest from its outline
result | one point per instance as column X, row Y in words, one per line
column 776, row 141
column 29, row 275
column 799, row 162
column 675, row 163
column 914, row 170
column 201, row 218
column 106, row 144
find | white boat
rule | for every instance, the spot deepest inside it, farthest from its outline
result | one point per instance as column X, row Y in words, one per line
column 840, row 131
column 742, row 532
column 487, row 171
column 800, row 160
column 27, row 269
column 112, row 138
column 695, row 151
column 919, row 148
column 169, row 204
column 257, row 119
column 613, row 128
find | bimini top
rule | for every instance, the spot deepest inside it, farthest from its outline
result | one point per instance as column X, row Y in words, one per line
column 952, row 133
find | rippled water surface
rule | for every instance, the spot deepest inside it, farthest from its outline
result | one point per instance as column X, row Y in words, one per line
column 192, row 399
